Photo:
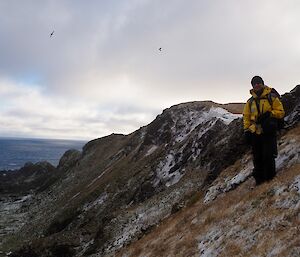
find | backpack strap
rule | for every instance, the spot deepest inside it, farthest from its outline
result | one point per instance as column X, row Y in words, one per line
column 269, row 97
column 257, row 105
column 250, row 101
column 273, row 93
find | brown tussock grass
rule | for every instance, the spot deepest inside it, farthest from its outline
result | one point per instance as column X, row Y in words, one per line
column 186, row 246
column 232, row 249
column 160, row 249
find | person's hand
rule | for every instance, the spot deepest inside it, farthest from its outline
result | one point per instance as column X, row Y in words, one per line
column 263, row 117
column 248, row 137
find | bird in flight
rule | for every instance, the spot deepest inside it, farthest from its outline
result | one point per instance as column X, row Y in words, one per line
column 159, row 49
column 52, row 33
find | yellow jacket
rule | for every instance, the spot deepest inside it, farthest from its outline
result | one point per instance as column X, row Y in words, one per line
column 250, row 113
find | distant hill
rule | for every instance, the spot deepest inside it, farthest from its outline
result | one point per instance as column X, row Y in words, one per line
column 236, row 108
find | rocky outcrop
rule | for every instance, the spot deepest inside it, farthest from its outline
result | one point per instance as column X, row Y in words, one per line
column 292, row 106
column 31, row 177
column 69, row 160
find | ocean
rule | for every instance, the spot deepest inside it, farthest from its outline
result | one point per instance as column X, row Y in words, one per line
column 15, row 152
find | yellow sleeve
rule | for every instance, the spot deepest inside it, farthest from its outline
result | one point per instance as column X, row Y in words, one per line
column 277, row 109
column 246, row 116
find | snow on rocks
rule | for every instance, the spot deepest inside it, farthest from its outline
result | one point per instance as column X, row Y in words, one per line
column 151, row 150
column 294, row 116
column 12, row 214
column 295, row 186
column 288, row 197
column 85, row 246
column 232, row 238
column 288, row 201
column 209, row 243
column 206, row 128
column 228, row 184
column 100, row 200
column 289, row 153
column 222, row 114
column 186, row 122
column 132, row 224
column 163, row 171
column 225, row 234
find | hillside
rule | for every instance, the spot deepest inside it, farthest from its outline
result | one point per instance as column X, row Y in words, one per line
column 180, row 186
column 233, row 218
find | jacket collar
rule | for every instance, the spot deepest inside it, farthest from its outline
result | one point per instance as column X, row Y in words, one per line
column 265, row 92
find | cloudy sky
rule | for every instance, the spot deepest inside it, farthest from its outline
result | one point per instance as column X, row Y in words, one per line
column 101, row 71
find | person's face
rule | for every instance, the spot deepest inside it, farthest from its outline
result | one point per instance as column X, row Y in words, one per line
column 258, row 87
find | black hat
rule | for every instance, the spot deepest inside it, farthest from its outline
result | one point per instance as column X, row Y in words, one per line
column 257, row 80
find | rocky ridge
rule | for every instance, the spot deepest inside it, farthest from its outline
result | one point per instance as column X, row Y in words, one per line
column 120, row 188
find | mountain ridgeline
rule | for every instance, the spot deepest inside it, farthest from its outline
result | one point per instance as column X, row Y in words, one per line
column 121, row 189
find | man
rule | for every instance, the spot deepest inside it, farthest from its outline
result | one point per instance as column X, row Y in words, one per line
column 260, row 116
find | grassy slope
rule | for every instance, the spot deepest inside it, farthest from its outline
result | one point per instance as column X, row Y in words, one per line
column 263, row 221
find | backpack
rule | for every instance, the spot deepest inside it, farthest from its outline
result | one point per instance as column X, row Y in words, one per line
column 275, row 94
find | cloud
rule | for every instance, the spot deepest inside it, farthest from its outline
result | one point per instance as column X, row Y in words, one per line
column 103, row 68
column 26, row 110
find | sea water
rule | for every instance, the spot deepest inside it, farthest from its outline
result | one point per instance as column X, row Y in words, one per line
column 15, row 152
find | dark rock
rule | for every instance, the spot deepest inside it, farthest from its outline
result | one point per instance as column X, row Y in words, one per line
column 291, row 104
column 177, row 207
column 223, row 146
column 93, row 144
column 61, row 221
column 291, row 100
column 69, row 160
column 62, row 250
column 26, row 251
column 145, row 191
column 29, row 177
column 159, row 131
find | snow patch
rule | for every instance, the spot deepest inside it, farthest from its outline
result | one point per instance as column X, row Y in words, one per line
column 74, row 196
column 13, row 215
column 151, row 150
column 186, row 122
column 134, row 223
column 100, row 200
column 228, row 184
column 174, row 178
column 280, row 190
column 288, row 197
column 225, row 116
column 203, row 129
column 209, row 242
column 94, row 180
column 288, row 154
column 288, row 201
column 163, row 171
column 295, row 186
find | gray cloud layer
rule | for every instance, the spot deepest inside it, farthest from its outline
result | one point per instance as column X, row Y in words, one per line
column 101, row 72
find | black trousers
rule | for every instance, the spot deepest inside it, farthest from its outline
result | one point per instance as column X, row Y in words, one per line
column 264, row 150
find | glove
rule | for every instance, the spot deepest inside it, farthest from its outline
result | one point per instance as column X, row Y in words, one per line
column 263, row 117
column 248, row 137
